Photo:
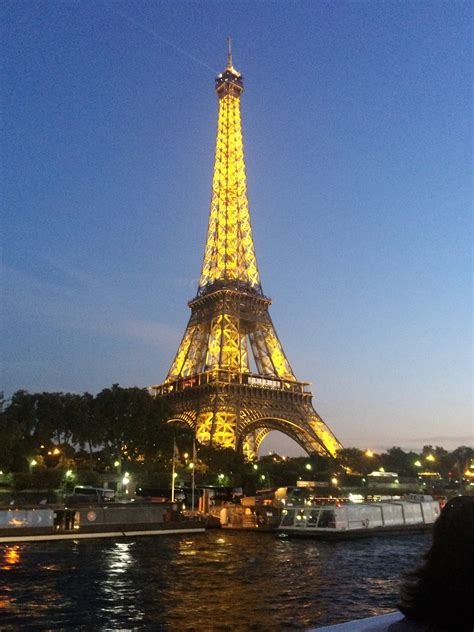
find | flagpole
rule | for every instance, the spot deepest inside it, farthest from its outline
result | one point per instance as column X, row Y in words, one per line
column 173, row 471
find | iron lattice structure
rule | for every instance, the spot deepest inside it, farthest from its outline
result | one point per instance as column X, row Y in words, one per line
column 230, row 380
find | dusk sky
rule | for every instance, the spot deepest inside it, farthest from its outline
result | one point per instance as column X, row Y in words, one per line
column 357, row 131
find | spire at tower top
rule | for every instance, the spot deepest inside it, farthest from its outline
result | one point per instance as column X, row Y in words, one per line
column 229, row 53
column 229, row 80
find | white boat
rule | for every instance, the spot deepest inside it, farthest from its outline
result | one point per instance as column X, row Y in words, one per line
column 339, row 520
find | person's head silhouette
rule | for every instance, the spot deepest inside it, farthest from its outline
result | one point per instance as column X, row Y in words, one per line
column 441, row 592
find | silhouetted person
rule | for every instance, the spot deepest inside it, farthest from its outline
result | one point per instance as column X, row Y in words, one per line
column 439, row 596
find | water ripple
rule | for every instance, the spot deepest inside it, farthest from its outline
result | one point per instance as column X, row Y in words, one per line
column 214, row 581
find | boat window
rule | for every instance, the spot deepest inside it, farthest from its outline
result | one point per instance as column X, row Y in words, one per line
column 287, row 519
column 313, row 517
column 327, row 519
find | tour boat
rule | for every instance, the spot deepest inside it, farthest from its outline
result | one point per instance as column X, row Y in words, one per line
column 338, row 520
column 94, row 521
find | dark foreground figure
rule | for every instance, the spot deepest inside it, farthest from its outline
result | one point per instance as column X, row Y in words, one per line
column 438, row 596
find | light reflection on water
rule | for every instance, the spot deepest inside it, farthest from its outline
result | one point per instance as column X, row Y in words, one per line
column 210, row 581
column 11, row 556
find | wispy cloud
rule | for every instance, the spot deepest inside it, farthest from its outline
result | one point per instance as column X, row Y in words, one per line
column 73, row 304
column 446, row 441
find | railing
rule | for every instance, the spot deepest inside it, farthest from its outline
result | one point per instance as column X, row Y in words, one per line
column 230, row 377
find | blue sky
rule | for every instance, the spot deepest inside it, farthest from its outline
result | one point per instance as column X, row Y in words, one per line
column 357, row 119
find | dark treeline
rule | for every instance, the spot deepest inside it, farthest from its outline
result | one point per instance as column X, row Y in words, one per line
column 124, row 424
column 125, row 429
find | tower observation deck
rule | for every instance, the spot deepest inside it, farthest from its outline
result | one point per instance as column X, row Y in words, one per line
column 230, row 380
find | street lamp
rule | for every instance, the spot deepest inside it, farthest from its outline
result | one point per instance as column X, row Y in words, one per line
column 430, row 457
column 369, row 453
column 308, row 466
column 417, row 463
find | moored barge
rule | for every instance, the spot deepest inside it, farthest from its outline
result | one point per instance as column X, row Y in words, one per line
column 94, row 521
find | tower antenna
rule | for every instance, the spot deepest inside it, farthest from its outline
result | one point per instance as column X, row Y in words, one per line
column 229, row 51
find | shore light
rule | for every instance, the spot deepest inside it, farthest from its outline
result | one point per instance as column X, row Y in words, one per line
column 56, row 451
column 308, row 466
column 33, row 462
column 69, row 474
column 417, row 463
column 369, row 453
column 126, row 478
column 255, row 466
column 116, row 463
column 334, row 481
column 191, row 465
column 430, row 457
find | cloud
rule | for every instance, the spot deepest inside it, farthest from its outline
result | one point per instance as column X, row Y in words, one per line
column 77, row 306
column 449, row 442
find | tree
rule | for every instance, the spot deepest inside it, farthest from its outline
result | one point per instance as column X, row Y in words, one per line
column 134, row 427
column 357, row 460
column 85, row 427
column 51, row 423
column 17, row 426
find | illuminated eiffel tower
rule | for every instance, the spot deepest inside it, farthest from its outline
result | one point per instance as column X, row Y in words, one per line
column 230, row 380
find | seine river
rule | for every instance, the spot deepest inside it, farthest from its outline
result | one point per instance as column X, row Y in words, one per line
column 220, row 580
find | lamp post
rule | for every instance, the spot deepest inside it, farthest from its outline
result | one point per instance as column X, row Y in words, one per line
column 191, row 467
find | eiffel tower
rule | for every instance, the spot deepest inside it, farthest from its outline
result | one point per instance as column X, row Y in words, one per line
column 231, row 381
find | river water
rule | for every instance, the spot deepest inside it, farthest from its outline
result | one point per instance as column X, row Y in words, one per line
column 220, row 580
